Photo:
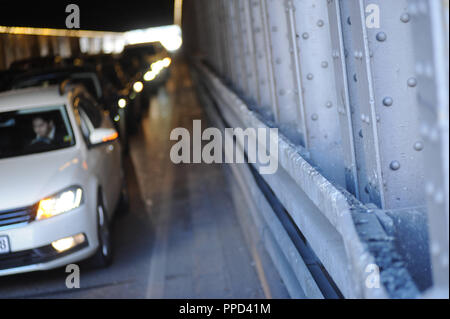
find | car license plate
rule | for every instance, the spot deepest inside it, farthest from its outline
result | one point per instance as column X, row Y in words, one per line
column 4, row 245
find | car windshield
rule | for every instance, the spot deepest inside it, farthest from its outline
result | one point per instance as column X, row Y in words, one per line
column 34, row 130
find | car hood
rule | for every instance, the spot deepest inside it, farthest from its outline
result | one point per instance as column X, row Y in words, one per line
column 25, row 180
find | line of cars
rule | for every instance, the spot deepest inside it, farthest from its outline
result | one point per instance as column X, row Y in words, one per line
column 64, row 125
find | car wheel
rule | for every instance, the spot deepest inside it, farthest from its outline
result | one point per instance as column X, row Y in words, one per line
column 103, row 256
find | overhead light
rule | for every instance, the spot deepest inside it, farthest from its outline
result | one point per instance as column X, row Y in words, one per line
column 172, row 43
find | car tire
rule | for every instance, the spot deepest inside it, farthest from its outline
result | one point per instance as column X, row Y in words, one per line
column 104, row 255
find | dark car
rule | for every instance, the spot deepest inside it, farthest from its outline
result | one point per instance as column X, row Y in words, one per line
column 6, row 78
column 35, row 63
column 145, row 59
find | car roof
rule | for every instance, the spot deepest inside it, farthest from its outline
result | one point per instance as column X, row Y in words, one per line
column 31, row 97
column 25, row 64
column 56, row 71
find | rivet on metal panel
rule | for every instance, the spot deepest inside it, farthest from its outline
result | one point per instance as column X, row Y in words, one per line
column 412, row 82
column 381, row 36
column 405, row 17
column 388, row 101
column 395, row 165
column 418, row 146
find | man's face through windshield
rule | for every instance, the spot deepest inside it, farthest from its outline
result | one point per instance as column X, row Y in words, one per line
column 34, row 130
column 42, row 127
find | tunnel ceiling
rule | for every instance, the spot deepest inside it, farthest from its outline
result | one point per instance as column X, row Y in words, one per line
column 93, row 15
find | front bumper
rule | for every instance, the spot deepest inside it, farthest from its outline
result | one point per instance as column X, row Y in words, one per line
column 31, row 248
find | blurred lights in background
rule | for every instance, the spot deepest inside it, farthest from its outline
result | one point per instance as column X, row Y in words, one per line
column 170, row 36
column 156, row 68
column 94, row 42
column 138, row 87
column 150, row 76
column 122, row 103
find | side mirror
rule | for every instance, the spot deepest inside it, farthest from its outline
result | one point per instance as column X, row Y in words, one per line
column 102, row 135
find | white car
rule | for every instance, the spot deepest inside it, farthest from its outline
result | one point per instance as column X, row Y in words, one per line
column 61, row 179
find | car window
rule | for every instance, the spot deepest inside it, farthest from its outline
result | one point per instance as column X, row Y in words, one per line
column 91, row 110
column 90, row 82
column 34, row 130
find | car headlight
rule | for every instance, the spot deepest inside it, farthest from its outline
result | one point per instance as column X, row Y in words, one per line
column 62, row 202
column 150, row 76
column 122, row 103
column 138, row 86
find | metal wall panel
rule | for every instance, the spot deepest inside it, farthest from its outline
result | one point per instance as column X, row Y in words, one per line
column 229, row 44
column 431, row 71
column 348, row 115
column 384, row 92
column 263, row 56
column 234, row 37
column 216, row 35
column 222, row 31
column 243, row 12
column 288, row 107
column 365, row 100
column 310, row 29
column 391, row 51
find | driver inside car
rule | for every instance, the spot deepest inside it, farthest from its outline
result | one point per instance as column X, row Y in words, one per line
column 46, row 132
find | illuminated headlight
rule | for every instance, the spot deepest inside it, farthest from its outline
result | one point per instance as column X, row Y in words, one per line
column 138, row 86
column 149, row 76
column 60, row 203
column 157, row 66
column 122, row 103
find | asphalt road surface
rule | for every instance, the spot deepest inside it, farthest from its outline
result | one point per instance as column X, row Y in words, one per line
column 181, row 237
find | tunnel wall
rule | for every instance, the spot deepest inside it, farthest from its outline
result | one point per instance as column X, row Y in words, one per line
column 359, row 92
